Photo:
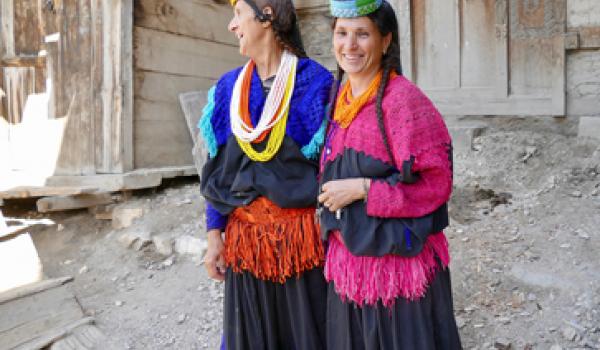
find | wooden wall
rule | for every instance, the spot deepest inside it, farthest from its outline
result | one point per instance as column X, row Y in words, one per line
column 179, row 46
column 22, row 71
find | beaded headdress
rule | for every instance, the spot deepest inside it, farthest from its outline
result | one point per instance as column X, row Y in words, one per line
column 353, row 8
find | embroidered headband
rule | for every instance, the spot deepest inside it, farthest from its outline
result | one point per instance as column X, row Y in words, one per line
column 353, row 8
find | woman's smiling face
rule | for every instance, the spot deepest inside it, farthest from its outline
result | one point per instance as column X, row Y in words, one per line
column 246, row 28
column 358, row 45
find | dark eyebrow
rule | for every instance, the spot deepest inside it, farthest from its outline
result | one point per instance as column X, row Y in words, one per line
column 365, row 29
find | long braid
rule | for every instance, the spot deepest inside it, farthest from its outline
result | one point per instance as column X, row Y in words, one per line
column 334, row 92
column 379, row 108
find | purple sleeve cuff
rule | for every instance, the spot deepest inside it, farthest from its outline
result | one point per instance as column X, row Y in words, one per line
column 214, row 219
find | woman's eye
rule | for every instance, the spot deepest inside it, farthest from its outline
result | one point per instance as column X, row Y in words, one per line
column 363, row 34
column 340, row 33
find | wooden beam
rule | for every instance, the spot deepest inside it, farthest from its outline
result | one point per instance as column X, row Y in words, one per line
column 109, row 183
column 158, row 51
column 85, row 337
column 33, row 288
column 52, row 335
column 164, row 87
column 43, row 191
column 39, row 319
column 60, row 203
column 117, row 88
column 589, row 38
column 24, row 61
column 202, row 19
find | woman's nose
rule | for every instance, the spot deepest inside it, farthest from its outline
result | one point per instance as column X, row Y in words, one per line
column 232, row 26
column 352, row 41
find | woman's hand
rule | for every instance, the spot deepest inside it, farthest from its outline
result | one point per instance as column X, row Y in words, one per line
column 214, row 262
column 337, row 194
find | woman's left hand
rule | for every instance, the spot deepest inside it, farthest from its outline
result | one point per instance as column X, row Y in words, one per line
column 337, row 194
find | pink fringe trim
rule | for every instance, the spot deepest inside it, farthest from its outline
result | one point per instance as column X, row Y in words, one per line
column 365, row 279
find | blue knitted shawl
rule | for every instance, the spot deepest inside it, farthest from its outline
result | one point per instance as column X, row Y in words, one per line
column 306, row 122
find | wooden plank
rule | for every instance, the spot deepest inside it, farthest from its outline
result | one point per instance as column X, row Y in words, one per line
column 163, row 52
column 522, row 105
column 33, row 288
column 60, row 203
column 97, row 68
column 192, row 104
column 7, row 28
column 115, row 145
column 164, row 87
column 27, row 29
column 37, row 191
column 436, row 29
column 73, row 57
column 24, row 61
column 81, row 338
column 36, row 315
column 589, row 37
column 202, row 19
column 52, row 335
column 501, row 50
column 147, row 110
column 167, row 172
column 109, row 182
column 478, row 43
column 159, row 144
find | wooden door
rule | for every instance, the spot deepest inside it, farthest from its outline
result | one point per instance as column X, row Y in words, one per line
column 487, row 57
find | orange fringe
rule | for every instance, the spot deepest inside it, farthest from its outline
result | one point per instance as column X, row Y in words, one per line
column 271, row 242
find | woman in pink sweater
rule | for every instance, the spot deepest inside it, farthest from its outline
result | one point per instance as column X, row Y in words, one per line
column 386, row 178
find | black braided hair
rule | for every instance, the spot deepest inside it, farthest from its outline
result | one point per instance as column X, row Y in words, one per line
column 385, row 21
column 284, row 22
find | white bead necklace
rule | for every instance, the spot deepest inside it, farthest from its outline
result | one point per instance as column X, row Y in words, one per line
column 268, row 118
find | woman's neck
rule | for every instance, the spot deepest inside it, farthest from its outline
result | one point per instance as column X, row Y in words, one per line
column 267, row 62
column 359, row 82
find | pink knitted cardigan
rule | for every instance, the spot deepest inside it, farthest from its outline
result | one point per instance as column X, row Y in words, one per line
column 415, row 128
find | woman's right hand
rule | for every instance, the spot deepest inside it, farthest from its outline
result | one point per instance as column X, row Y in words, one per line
column 214, row 262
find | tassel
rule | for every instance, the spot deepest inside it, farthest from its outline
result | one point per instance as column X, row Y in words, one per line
column 272, row 243
column 366, row 280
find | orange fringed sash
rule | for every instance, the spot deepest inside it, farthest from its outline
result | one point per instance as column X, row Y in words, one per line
column 272, row 243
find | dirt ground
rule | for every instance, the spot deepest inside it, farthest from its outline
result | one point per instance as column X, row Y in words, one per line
column 524, row 241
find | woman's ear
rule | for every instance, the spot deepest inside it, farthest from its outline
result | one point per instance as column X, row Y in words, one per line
column 268, row 15
column 387, row 39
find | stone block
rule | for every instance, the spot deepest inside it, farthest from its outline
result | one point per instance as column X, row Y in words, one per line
column 163, row 244
column 188, row 245
column 124, row 217
column 135, row 239
column 589, row 127
column 463, row 136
